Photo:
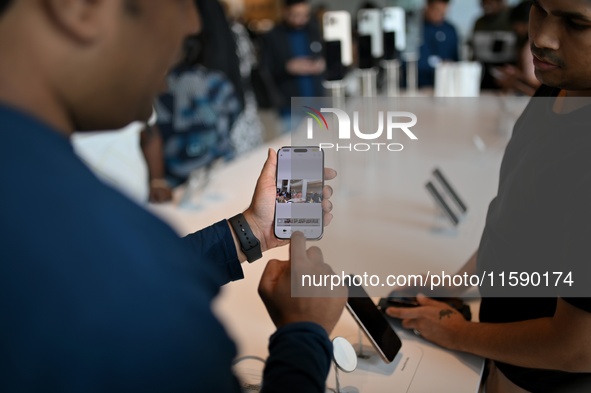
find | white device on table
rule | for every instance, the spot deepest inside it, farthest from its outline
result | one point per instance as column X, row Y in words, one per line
column 369, row 23
column 300, row 182
column 337, row 28
column 394, row 25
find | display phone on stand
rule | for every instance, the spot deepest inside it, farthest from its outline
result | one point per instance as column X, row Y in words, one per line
column 337, row 34
column 370, row 28
column 373, row 323
column 335, row 70
column 394, row 27
column 300, row 182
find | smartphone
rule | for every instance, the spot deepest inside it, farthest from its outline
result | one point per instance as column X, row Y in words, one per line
column 337, row 27
column 394, row 26
column 403, row 301
column 335, row 70
column 300, row 182
column 369, row 22
column 375, row 325
column 366, row 59
column 390, row 51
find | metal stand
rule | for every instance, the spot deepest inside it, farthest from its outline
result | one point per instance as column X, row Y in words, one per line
column 392, row 68
column 337, row 92
column 369, row 82
column 412, row 74
column 360, row 353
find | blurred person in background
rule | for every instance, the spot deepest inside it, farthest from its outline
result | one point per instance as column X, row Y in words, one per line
column 520, row 78
column 292, row 53
column 247, row 132
column 440, row 41
column 196, row 115
column 495, row 19
column 96, row 293
column 539, row 222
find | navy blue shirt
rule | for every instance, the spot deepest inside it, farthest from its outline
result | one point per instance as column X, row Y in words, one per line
column 440, row 43
column 300, row 47
column 98, row 295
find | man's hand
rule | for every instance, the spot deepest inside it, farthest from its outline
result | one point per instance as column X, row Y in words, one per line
column 435, row 321
column 305, row 66
column 276, row 283
column 160, row 193
column 261, row 211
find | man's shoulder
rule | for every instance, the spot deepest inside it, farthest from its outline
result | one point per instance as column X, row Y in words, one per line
column 278, row 31
column 450, row 27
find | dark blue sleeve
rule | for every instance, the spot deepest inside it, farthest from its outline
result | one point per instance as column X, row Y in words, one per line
column 299, row 359
column 215, row 246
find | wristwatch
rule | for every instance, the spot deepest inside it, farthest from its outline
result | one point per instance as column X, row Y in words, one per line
column 249, row 244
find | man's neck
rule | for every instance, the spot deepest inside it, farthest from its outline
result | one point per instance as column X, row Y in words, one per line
column 569, row 101
column 25, row 82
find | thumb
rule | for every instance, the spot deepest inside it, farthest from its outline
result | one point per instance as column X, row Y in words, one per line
column 268, row 171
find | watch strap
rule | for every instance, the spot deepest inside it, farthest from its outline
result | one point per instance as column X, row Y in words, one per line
column 249, row 244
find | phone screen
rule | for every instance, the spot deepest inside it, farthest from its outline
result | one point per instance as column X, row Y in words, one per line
column 335, row 70
column 374, row 323
column 298, row 203
column 366, row 59
column 390, row 51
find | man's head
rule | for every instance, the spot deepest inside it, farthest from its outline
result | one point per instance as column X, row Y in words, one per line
column 100, row 63
column 435, row 11
column 296, row 13
column 560, row 34
column 493, row 7
column 4, row 4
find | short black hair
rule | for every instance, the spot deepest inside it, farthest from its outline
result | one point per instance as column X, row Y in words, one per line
column 437, row 1
column 4, row 5
column 520, row 13
column 289, row 3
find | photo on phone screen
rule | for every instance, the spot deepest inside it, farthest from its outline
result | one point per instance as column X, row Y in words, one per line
column 373, row 323
column 298, row 203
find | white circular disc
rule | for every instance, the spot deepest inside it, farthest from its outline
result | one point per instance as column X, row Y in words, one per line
column 344, row 354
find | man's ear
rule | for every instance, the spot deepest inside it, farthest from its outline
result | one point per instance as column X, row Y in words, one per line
column 82, row 20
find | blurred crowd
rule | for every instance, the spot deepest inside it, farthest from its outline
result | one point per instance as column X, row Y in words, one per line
column 235, row 70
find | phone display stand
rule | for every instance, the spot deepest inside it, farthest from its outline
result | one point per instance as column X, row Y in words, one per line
column 361, row 354
column 451, row 207
column 412, row 73
column 369, row 82
column 344, row 359
column 337, row 92
column 392, row 68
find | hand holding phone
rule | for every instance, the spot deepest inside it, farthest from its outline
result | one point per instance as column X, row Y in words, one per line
column 300, row 191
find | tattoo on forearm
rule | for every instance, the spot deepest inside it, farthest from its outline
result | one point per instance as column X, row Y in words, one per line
column 445, row 314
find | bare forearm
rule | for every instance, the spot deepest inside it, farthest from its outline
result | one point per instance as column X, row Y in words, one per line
column 539, row 343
